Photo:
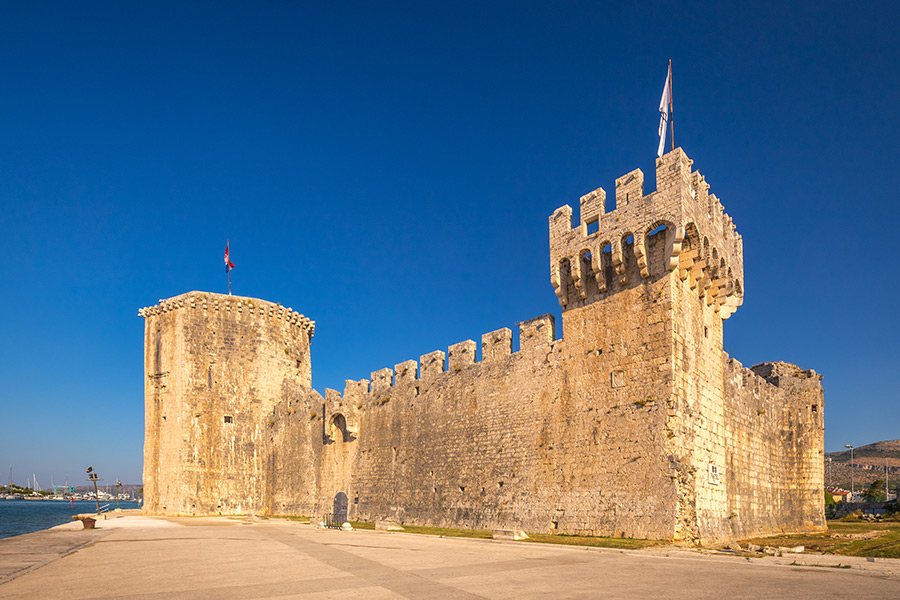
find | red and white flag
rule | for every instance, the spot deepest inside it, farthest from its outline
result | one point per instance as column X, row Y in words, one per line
column 228, row 264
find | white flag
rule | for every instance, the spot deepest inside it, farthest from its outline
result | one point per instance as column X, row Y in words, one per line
column 664, row 114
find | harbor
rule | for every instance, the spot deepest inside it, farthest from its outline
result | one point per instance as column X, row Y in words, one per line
column 22, row 515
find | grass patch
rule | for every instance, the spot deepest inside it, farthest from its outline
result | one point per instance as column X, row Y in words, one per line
column 560, row 538
column 567, row 540
column 599, row 542
column 447, row 532
column 884, row 544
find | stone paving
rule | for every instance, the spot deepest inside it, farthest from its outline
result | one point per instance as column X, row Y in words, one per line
column 155, row 558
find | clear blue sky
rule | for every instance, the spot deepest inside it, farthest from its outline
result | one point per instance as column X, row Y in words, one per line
column 388, row 170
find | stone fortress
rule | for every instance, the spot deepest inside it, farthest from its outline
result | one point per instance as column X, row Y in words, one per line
column 633, row 423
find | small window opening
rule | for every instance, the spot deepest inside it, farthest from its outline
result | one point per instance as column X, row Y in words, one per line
column 462, row 488
column 714, row 474
column 705, row 332
column 229, row 419
column 593, row 227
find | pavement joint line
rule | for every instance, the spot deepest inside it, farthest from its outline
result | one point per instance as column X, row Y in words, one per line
column 322, row 584
column 677, row 553
column 403, row 583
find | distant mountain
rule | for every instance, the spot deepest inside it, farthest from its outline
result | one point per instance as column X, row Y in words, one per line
column 889, row 449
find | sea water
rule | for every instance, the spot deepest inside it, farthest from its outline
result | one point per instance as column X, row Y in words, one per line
column 24, row 516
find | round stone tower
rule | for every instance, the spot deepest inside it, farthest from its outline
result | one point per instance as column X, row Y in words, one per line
column 215, row 366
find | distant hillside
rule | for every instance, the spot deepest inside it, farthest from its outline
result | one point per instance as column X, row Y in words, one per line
column 888, row 449
column 869, row 464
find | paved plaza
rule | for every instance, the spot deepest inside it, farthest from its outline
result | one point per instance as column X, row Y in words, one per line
column 154, row 558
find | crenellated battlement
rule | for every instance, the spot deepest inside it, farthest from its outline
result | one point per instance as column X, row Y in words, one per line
column 539, row 332
column 207, row 302
column 701, row 243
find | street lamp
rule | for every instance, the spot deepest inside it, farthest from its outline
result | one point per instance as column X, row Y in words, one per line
column 851, row 470
column 92, row 476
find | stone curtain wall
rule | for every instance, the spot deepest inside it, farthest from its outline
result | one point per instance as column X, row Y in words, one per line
column 542, row 440
column 775, row 428
column 215, row 367
column 555, row 437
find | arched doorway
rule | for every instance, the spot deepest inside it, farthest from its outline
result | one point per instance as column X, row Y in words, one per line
column 341, row 502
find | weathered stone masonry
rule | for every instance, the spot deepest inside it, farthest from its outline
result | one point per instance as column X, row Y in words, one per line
column 635, row 423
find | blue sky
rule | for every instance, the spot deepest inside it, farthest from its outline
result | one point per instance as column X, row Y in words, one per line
column 387, row 169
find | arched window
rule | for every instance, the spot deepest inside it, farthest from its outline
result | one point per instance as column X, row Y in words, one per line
column 339, row 431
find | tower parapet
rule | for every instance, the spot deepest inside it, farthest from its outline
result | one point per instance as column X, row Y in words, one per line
column 702, row 244
column 238, row 304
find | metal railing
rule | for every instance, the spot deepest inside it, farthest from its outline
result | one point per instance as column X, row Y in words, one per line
column 334, row 520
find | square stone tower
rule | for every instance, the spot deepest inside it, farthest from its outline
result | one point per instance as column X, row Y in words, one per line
column 652, row 282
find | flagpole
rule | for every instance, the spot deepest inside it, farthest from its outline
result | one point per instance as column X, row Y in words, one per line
column 671, row 106
column 227, row 259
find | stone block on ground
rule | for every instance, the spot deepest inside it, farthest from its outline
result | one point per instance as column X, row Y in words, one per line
column 513, row 535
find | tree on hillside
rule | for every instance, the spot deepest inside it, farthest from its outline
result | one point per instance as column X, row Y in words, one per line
column 875, row 493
